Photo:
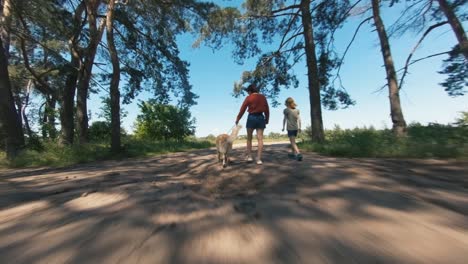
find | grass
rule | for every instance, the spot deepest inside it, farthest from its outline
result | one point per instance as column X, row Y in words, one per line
column 53, row 155
column 431, row 141
column 271, row 137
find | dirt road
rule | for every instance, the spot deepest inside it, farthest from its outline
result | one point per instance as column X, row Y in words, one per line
column 184, row 208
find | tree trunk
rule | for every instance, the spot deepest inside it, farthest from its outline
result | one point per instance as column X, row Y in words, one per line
column 399, row 124
column 51, row 105
column 8, row 114
column 114, row 85
column 17, row 98
column 43, row 120
column 312, row 74
column 457, row 27
column 68, row 93
column 23, row 110
column 5, row 28
column 26, row 122
column 48, row 119
column 84, row 82
column 67, row 105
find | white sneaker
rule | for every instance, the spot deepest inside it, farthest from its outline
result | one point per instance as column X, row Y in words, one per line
column 249, row 159
column 259, row 162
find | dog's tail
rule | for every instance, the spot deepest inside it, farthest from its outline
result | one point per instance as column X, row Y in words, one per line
column 234, row 133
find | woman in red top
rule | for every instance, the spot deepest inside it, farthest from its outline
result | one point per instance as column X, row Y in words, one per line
column 259, row 114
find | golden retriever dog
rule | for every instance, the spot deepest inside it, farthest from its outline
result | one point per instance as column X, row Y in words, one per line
column 224, row 145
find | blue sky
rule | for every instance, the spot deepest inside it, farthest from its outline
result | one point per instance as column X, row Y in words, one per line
column 213, row 73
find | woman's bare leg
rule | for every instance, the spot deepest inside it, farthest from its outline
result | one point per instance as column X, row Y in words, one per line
column 249, row 141
column 260, row 143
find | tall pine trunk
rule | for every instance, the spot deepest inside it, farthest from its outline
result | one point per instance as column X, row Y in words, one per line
column 68, row 93
column 23, row 110
column 67, row 105
column 9, row 116
column 48, row 118
column 51, row 108
column 312, row 74
column 6, row 27
column 114, row 85
column 457, row 27
column 86, row 74
column 399, row 124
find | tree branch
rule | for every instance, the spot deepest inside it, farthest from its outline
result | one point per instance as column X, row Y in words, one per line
column 394, row 27
column 268, row 16
column 287, row 31
column 427, row 57
column 284, row 9
column 405, row 69
column 289, row 39
column 339, row 23
column 44, row 87
column 349, row 45
column 380, row 89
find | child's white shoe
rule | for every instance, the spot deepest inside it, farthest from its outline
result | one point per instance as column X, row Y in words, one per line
column 259, row 162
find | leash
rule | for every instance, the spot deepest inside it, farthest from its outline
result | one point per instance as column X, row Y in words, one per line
column 230, row 130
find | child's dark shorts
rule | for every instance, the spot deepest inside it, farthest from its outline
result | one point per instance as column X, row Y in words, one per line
column 292, row 133
column 256, row 121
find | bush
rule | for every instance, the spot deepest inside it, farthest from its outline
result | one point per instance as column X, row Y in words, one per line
column 433, row 140
column 99, row 131
column 58, row 156
column 274, row 135
column 210, row 138
column 143, row 147
column 462, row 120
column 54, row 155
column 163, row 122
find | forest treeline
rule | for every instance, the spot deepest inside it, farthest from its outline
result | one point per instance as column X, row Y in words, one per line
column 61, row 52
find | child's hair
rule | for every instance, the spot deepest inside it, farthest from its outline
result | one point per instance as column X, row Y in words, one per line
column 290, row 103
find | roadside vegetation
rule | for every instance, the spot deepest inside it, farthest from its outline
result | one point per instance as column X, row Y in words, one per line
column 422, row 141
column 159, row 129
column 53, row 155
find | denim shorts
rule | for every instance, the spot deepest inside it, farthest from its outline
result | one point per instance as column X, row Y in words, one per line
column 292, row 133
column 256, row 121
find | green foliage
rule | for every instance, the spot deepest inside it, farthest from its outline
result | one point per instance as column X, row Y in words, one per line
column 145, row 147
column 54, row 155
column 210, row 138
column 462, row 120
column 456, row 67
column 271, row 31
column 163, row 122
column 148, row 49
column 106, row 110
column 59, row 156
column 34, row 142
column 332, row 97
column 99, row 131
column 274, row 135
column 419, row 17
column 271, row 74
column 433, row 140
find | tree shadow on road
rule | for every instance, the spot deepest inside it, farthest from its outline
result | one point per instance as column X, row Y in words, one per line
column 185, row 208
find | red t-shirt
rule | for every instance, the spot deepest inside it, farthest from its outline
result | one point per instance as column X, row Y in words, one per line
column 257, row 103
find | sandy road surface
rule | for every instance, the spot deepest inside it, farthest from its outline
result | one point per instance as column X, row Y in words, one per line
column 184, row 208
